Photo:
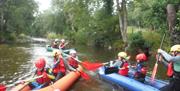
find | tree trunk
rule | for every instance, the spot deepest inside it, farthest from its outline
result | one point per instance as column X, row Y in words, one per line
column 171, row 18
column 122, row 13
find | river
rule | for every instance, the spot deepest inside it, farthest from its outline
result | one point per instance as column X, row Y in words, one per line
column 16, row 60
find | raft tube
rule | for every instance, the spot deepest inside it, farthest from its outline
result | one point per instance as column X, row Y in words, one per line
column 131, row 84
column 61, row 85
column 50, row 49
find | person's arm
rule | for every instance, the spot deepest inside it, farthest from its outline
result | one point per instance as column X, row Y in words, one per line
column 55, row 65
column 48, row 73
column 168, row 57
column 165, row 55
column 165, row 63
column 67, row 65
column 117, row 63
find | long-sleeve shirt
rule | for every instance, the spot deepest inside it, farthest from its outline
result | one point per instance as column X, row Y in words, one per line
column 174, row 59
column 117, row 63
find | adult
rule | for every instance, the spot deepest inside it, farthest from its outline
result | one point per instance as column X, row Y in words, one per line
column 173, row 57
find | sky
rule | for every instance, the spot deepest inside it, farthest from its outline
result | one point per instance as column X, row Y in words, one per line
column 43, row 4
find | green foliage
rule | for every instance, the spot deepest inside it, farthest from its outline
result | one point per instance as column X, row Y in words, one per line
column 138, row 43
column 177, row 26
column 81, row 37
column 53, row 35
column 17, row 17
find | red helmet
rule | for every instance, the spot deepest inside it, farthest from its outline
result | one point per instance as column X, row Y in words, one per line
column 141, row 57
column 40, row 63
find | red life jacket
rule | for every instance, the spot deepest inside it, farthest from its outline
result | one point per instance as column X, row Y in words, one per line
column 43, row 79
column 62, row 45
column 73, row 62
column 60, row 67
column 55, row 45
column 169, row 69
column 144, row 70
column 124, row 72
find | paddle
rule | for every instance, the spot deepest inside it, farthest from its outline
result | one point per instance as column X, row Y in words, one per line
column 3, row 87
column 92, row 66
column 156, row 64
column 83, row 74
column 60, row 47
column 88, row 65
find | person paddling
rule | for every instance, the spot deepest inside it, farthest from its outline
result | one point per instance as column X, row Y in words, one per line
column 41, row 70
column 72, row 59
column 173, row 57
column 141, row 68
column 59, row 68
column 122, row 63
column 55, row 44
column 62, row 44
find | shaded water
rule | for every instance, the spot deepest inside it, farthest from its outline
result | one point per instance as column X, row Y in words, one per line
column 17, row 60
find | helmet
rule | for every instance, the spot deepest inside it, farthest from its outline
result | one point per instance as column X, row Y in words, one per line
column 141, row 57
column 62, row 40
column 40, row 63
column 72, row 52
column 123, row 55
column 175, row 48
column 56, row 40
column 56, row 52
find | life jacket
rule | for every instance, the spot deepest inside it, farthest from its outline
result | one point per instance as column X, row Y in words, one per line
column 124, row 72
column 170, row 69
column 55, row 45
column 43, row 79
column 62, row 45
column 141, row 68
column 73, row 62
column 60, row 66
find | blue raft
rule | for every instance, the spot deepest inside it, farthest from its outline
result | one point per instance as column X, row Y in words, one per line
column 131, row 84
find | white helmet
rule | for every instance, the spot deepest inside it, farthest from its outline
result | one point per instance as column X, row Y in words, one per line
column 62, row 40
column 56, row 40
column 72, row 52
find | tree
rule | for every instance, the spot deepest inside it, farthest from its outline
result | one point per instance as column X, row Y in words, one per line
column 171, row 18
column 17, row 17
column 122, row 13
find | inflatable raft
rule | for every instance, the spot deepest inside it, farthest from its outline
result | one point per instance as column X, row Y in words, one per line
column 131, row 84
column 50, row 49
column 62, row 84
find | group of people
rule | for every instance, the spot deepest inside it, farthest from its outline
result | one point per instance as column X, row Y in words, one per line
column 123, row 65
column 59, row 44
column 61, row 65
column 170, row 60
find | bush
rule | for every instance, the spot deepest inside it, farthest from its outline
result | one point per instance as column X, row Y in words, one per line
column 53, row 35
column 11, row 37
column 81, row 37
column 138, row 44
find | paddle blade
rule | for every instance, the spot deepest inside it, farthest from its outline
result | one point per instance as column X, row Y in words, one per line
column 2, row 87
column 91, row 66
column 85, row 75
column 154, row 72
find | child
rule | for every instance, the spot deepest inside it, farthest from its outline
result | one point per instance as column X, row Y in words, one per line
column 59, row 68
column 122, row 63
column 141, row 68
column 41, row 70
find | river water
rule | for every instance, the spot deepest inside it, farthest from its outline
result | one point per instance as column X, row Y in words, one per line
column 16, row 61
